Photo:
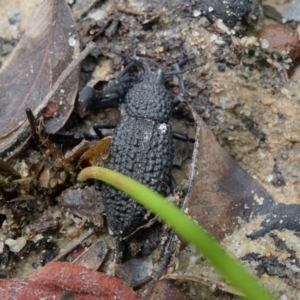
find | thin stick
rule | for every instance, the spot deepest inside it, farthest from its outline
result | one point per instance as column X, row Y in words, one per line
column 74, row 244
column 193, row 168
column 39, row 139
column 7, row 169
column 129, row 11
column 31, row 120
column 141, row 282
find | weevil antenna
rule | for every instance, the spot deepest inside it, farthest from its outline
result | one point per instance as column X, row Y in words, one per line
column 176, row 72
column 180, row 78
column 133, row 61
column 127, row 68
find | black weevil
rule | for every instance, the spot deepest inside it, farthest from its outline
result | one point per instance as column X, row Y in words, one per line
column 142, row 144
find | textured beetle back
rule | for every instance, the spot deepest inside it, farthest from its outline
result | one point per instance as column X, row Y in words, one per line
column 149, row 100
column 142, row 146
column 143, row 150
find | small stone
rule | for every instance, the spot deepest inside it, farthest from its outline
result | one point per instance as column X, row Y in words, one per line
column 72, row 42
column 264, row 43
column 16, row 245
column 196, row 13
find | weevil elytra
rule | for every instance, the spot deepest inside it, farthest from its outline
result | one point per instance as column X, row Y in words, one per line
column 142, row 145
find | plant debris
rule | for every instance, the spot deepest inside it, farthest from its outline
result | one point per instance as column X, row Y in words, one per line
column 281, row 217
column 245, row 162
column 55, row 279
column 40, row 57
column 222, row 192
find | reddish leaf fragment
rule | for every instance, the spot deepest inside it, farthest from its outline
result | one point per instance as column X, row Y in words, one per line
column 83, row 280
column 50, row 111
column 57, row 279
column 43, row 53
column 20, row 289
column 223, row 192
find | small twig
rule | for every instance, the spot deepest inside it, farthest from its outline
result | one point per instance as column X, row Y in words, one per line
column 151, row 20
column 7, row 169
column 193, row 168
column 39, row 139
column 74, row 244
column 205, row 280
column 129, row 11
column 147, row 225
column 141, row 282
column 31, row 120
column 292, row 284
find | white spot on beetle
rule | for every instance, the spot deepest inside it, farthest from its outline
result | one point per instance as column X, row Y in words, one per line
column 163, row 128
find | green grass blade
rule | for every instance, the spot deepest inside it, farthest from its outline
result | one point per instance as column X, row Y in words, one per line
column 185, row 227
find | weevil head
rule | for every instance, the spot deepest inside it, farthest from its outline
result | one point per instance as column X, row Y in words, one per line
column 152, row 75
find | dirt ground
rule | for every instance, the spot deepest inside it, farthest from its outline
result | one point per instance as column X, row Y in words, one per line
column 243, row 94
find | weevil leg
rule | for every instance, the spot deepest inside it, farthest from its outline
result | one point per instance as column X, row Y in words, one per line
column 172, row 184
column 98, row 185
column 94, row 100
column 87, row 95
column 103, row 125
column 185, row 60
column 182, row 137
column 125, row 58
column 118, row 254
column 99, row 103
column 71, row 138
column 176, row 72
column 176, row 100
column 180, row 78
column 127, row 68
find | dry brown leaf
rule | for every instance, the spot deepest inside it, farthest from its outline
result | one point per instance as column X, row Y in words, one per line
column 43, row 53
column 84, row 202
column 93, row 257
column 222, row 192
column 97, row 153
